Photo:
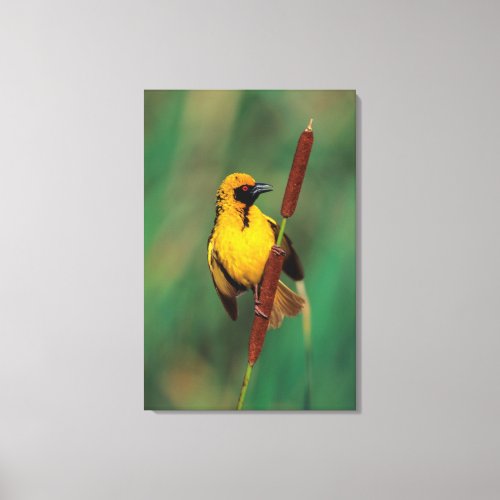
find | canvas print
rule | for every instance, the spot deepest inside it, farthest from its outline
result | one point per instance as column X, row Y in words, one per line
column 250, row 250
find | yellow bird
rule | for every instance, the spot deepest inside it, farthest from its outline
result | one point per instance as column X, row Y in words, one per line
column 239, row 246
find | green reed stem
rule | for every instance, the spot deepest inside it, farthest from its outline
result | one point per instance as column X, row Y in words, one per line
column 282, row 231
column 244, row 387
column 306, row 332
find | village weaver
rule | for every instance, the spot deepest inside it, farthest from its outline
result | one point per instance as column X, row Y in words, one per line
column 239, row 246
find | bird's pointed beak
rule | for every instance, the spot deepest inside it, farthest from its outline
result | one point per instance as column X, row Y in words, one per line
column 259, row 188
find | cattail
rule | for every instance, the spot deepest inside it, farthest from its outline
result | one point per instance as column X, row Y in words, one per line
column 297, row 171
column 276, row 257
column 268, row 288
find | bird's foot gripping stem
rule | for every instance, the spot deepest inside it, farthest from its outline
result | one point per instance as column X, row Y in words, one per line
column 258, row 312
column 256, row 295
column 278, row 251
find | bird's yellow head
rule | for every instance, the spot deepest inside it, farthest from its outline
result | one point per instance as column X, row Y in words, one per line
column 240, row 190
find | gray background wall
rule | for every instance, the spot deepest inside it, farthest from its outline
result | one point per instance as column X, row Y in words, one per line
column 71, row 102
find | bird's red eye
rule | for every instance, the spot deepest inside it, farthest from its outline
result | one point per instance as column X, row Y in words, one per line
column 245, row 188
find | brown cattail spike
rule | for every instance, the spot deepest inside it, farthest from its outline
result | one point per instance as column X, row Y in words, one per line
column 298, row 171
column 268, row 288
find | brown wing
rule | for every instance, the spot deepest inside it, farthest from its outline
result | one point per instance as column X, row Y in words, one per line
column 292, row 265
column 225, row 289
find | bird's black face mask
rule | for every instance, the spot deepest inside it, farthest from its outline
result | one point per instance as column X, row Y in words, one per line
column 248, row 194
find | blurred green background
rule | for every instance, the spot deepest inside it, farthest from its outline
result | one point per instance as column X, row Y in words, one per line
column 195, row 356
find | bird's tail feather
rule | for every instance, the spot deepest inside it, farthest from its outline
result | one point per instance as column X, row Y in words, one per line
column 286, row 303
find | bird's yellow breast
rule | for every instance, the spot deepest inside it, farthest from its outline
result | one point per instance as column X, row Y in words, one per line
column 243, row 248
